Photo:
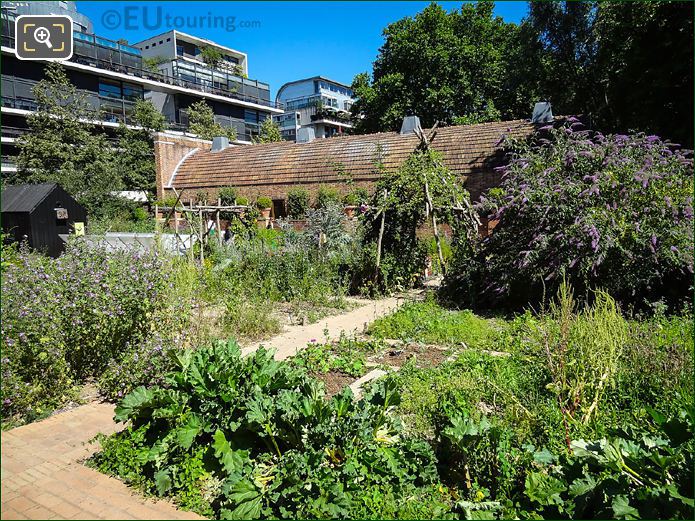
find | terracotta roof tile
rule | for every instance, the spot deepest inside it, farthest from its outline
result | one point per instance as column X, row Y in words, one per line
column 466, row 150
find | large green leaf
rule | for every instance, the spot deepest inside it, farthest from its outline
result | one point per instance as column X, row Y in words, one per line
column 232, row 460
column 247, row 499
column 623, row 510
column 186, row 433
column 163, row 481
column 133, row 403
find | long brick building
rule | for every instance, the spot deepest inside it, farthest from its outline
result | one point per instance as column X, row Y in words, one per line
column 191, row 165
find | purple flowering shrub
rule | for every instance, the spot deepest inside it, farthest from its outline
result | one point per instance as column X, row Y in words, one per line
column 64, row 319
column 612, row 212
column 143, row 363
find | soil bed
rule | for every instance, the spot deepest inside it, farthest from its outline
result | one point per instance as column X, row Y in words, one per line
column 334, row 381
column 397, row 356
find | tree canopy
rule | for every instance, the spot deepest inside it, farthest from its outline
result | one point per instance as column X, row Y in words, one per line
column 627, row 66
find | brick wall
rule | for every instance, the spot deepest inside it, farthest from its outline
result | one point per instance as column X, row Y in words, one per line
column 169, row 150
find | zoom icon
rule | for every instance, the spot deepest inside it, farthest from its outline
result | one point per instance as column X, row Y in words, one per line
column 43, row 37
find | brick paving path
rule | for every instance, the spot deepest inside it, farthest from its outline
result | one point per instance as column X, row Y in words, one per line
column 42, row 474
column 42, row 477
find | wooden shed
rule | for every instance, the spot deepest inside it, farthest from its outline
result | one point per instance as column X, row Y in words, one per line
column 39, row 214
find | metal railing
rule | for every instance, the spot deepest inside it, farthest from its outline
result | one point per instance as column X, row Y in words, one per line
column 140, row 72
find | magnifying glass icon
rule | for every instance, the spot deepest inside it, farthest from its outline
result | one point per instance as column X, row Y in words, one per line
column 43, row 35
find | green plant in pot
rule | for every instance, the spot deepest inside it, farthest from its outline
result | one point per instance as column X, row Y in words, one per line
column 264, row 204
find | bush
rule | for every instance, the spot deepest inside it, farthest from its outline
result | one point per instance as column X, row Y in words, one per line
column 64, row 319
column 264, row 203
column 326, row 196
column 356, row 197
column 249, row 437
column 297, row 202
column 227, row 195
column 612, row 212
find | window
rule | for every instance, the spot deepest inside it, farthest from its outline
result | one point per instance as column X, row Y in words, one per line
column 154, row 44
column 110, row 89
column 161, row 42
column 168, row 39
column 147, row 46
column 179, row 50
column 132, row 92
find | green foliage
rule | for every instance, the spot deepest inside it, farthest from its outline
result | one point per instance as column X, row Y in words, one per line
column 611, row 212
column 211, row 56
column 441, row 65
column 639, row 472
column 201, row 122
column 356, row 196
column 400, row 199
column 65, row 319
column 325, row 196
column 148, row 117
column 227, row 195
column 346, row 355
column 152, row 64
column 430, row 323
column 263, row 432
column 61, row 147
column 263, row 202
column 269, row 132
column 297, row 202
column 623, row 64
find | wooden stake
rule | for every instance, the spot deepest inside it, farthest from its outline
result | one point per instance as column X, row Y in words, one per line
column 202, row 235
column 381, row 231
column 434, row 226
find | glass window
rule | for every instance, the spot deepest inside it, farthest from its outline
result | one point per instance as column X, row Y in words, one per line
column 251, row 116
column 179, row 50
column 110, row 89
column 132, row 92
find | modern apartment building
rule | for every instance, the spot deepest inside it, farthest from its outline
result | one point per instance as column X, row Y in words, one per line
column 113, row 76
column 318, row 103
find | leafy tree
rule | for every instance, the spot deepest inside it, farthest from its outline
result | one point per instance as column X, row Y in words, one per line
column 439, row 66
column 269, row 133
column 201, row 121
column 136, row 148
column 627, row 65
column 63, row 147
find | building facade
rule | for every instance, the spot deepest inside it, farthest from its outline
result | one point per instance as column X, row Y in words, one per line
column 317, row 103
column 113, row 76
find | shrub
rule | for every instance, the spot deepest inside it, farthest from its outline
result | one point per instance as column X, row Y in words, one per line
column 227, row 195
column 249, row 437
column 326, row 196
column 64, row 319
column 242, row 201
column 144, row 363
column 612, row 212
column 264, row 203
column 297, row 202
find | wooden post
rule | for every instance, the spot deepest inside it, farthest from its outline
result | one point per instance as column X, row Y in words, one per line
column 434, row 226
column 217, row 219
column 381, row 231
column 202, row 235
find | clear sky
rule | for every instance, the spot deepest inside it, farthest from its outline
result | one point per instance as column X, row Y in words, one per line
column 284, row 41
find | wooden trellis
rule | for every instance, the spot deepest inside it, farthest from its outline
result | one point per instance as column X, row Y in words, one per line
column 201, row 213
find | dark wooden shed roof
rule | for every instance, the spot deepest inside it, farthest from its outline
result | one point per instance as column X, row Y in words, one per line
column 466, row 150
column 24, row 198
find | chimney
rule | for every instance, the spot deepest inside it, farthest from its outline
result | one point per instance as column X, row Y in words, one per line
column 410, row 123
column 542, row 113
column 219, row 143
column 305, row 135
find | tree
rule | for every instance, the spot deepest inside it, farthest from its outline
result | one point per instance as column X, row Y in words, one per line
column 628, row 66
column 136, row 147
column 201, row 121
column 63, row 147
column 439, row 66
column 269, row 133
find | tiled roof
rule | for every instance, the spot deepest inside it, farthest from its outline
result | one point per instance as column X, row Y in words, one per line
column 467, row 150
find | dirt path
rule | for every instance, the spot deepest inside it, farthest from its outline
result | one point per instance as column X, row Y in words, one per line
column 42, row 473
column 295, row 338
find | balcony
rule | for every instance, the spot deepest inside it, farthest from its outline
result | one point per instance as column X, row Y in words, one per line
column 324, row 114
column 108, row 55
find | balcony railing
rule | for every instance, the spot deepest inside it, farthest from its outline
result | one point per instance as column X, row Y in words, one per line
column 119, row 58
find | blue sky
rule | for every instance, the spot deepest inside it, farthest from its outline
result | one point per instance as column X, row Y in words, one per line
column 284, row 41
